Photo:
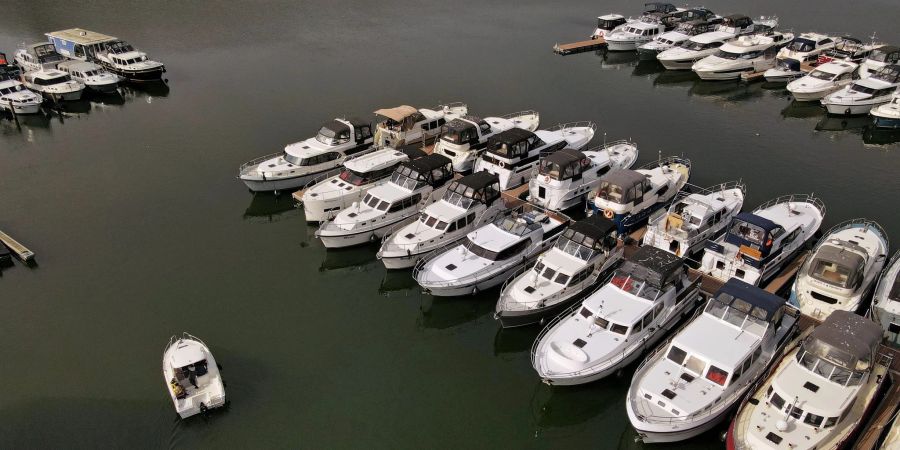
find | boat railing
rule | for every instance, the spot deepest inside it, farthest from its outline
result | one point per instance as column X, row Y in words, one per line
column 794, row 198
column 527, row 112
column 666, row 160
column 175, row 338
column 552, row 323
column 611, row 144
column 688, row 190
column 388, row 245
column 577, row 124
column 451, row 106
column 255, row 162
column 528, row 258
column 856, row 223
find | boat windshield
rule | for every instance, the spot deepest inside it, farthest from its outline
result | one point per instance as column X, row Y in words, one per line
column 480, row 251
column 353, row 177
column 697, row 46
column 731, row 55
column 603, row 323
column 51, row 81
column 91, row 73
column 551, row 274
column 835, row 273
column 611, row 192
column 878, row 55
column 740, row 314
column 856, row 87
column 573, row 248
column 458, row 134
column 831, row 372
column 375, row 202
column 11, row 89
column 635, row 286
column 328, row 136
column 407, row 178
column 604, row 24
column 433, row 222
column 821, row 75
column 802, row 45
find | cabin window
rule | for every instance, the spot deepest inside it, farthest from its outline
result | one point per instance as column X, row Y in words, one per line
column 777, row 401
column 795, row 412
column 601, row 322
column 814, row 420
column 676, row 355
column 586, row 313
column 382, row 206
column 638, row 326
column 561, row 278
column 582, row 275
column 441, row 225
column 695, row 365
column 452, row 227
column 717, row 375
column 549, row 273
column 647, row 320
column 657, row 310
column 830, row 422
column 823, row 369
column 618, row 329
column 519, row 247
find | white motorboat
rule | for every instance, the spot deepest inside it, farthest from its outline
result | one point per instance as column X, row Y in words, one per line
column 301, row 162
column 694, row 218
column 406, row 125
column 863, row 95
column 758, row 244
column 413, row 184
column 644, row 300
column 565, row 177
column 629, row 197
column 53, row 84
column 513, row 154
column 821, row 393
column 323, row 199
column 842, row 269
column 634, row 34
column 465, row 138
column 886, row 302
column 192, row 376
column 38, row 56
column 888, row 114
column 491, row 253
column 92, row 75
column 691, row 383
column 584, row 254
column 470, row 202
column 880, row 57
column 753, row 53
column 14, row 97
column 114, row 54
column 803, row 49
column 607, row 23
column 688, row 52
column 849, row 49
column 671, row 39
column 823, row 80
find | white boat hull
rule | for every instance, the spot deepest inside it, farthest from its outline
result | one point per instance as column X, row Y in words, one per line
column 280, row 184
column 851, row 110
column 17, row 108
column 350, row 239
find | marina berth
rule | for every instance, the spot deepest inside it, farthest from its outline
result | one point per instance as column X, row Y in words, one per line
column 692, row 382
column 886, row 302
column 468, row 203
column 695, row 218
column 15, row 98
column 513, row 154
column 487, row 256
column 406, row 125
column 38, row 56
column 92, row 75
column 758, row 244
column 464, row 139
column 114, row 54
column 644, row 300
column 689, row 51
column 820, row 394
column 606, row 23
column 880, row 57
column 887, row 115
column 413, row 184
column 842, row 269
column 53, row 84
column 192, row 376
column 823, row 80
column 803, row 49
column 301, row 162
column 682, row 32
column 862, row 95
column 583, row 255
column 565, row 177
column 754, row 53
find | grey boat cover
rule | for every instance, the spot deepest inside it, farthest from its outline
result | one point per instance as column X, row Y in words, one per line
column 655, row 266
column 845, row 339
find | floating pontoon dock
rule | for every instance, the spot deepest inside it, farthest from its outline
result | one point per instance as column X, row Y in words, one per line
column 20, row 250
column 580, row 46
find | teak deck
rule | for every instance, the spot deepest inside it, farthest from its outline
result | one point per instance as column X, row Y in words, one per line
column 580, row 46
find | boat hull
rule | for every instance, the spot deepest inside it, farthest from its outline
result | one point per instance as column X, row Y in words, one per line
column 682, row 64
column 138, row 76
column 107, row 88
column 21, row 109
column 812, row 96
column 350, row 239
column 890, row 123
column 280, row 184
column 729, row 74
column 622, row 46
column 656, row 437
column 855, row 109
column 512, row 319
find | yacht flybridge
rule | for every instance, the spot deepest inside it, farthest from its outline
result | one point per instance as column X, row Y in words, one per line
column 468, row 203
column 628, row 197
column 805, row 48
column 301, row 162
column 702, row 45
column 192, row 376
column 849, row 49
column 820, row 394
column 888, row 114
column 464, row 139
column 513, row 153
column 690, row 384
column 487, row 256
column 671, row 39
column 413, row 184
column 842, row 269
column 607, row 23
column 565, row 177
column 580, row 257
column 694, row 218
column 886, row 302
column 754, row 53
column 758, row 244
column 405, row 125
column 823, row 80
column 116, row 55
column 38, row 57
column 53, row 84
column 863, row 95
column 609, row 330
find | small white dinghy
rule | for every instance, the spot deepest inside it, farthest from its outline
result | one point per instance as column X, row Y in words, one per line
column 192, row 375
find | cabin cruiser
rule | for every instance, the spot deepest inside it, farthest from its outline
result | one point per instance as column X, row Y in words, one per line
column 192, row 376
column 683, row 56
column 514, row 153
column 849, row 49
column 38, row 56
column 114, row 54
column 324, row 199
column 690, row 384
column 15, row 98
column 694, row 218
column 634, row 34
column 821, row 392
column 628, row 197
column 53, row 84
column 301, row 162
column 754, row 53
column 880, row 57
column 406, row 125
column 487, row 256
column 888, row 114
column 607, row 23
column 758, row 244
column 610, row 329
column 863, row 95
column 92, row 75
column 468, row 203
column 886, row 302
column 565, row 177
column 842, row 269
column 823, row 80
column 671, row 39
column 581, row 256
column 395, row 203
column 463, row 139
column 804, row 49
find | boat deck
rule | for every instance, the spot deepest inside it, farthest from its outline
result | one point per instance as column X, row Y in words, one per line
column 580, row 46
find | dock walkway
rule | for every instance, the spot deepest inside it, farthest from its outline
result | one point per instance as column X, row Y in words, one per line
column 20, row 250
column 580, row 46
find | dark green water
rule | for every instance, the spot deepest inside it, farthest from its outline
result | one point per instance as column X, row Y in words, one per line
column 142, row 230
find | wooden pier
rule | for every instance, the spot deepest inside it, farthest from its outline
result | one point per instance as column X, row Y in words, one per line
column 580, row 46
column 20, row 250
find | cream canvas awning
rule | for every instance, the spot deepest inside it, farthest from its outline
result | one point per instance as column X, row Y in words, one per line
column 397, row 114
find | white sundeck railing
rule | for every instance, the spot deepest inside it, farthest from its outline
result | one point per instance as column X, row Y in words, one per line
column 245, row 167
column 794, row 198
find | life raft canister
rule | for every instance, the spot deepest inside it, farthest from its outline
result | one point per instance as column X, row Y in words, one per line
column 608, row 213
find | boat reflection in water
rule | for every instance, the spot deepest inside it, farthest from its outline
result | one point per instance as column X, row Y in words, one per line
column 441, row 313
column 675, row 78
column 645, row 67
column 803, row 110
column 843, row 123
column 880, row 136
column 617, row 60
column 394, row 281
column 513, row 340
column 356, row 258
column 728, row 91
column 564, row 410
column 266, row 207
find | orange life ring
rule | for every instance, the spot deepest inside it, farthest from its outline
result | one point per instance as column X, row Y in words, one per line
column 608, row 213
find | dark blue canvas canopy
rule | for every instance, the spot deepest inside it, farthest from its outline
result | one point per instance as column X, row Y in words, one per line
column 753, row 219
column 764, row 305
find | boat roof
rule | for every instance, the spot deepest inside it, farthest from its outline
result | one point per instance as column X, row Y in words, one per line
column 78, row 65
column 381, row 159
column 659, row 7
column 887, row 49
column 466, row 122
column 565, row 156
column 611, row 17
column 357, row 122
column 653, row 265
column 750, row 299
column 186, row 352
column 510, row 137
column 837, row 252
column 846, row 339
column 722, row 344
column 624, row 178
column 596, row 227
column 81, row 36
column 759, row 221
column 397, row 114
column 335, row 125
column 736, row 17
column 427, row 163
column 836, row 66
column 479, row 180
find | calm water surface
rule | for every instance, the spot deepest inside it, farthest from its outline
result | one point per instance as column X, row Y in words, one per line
column 142, row 230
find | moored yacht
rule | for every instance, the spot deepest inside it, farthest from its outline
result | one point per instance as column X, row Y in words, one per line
column 634, row 34
column 606, row 23
column 691, row 383
column 192, row 376
column 880, row 57
column 754, row 53
column 413, row 184
column 464, row 139
column 821, row 392
column 863, row 95
column 683, row 56
column 849, row 49
column 803, row 49
column 116, row 55
column 888, row 114
column 301, row 162
column 566, row 176
column 670, row 39
column 842, row 269
column 886, row 302
column 694, row 218
column 823, row 80
column 92, row 75
column 489, row 254
column 53, row 84
column 38, row 56
column 404, row 125
column 468, row 203
column 580, row 257
column 758, row 244
column 14, row 97
column 610, row 329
